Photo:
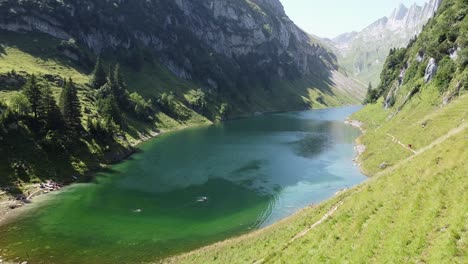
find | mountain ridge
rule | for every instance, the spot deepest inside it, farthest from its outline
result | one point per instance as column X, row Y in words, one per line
column 363, row 53
column 222, row 45
column 178, row 64
column 181, row 14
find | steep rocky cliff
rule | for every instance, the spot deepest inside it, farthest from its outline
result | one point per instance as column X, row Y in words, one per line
column 433, row 64
column 218, row 43
column 363, row 53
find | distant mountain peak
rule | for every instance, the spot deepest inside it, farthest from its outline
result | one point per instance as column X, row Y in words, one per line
column 364, row 52
column 399, row 13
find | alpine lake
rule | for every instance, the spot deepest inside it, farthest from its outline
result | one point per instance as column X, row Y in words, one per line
column 190, row 188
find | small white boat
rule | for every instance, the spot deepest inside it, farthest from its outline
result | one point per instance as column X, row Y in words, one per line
column 137, row 211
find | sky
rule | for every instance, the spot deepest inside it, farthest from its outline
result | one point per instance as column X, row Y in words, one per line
column 329, row 18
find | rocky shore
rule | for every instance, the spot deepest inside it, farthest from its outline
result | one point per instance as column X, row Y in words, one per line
column 359, row 148
column 10, row 205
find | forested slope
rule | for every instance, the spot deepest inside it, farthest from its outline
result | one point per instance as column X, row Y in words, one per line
column 167, row 65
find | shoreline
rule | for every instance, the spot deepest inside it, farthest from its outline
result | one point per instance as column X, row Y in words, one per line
column 359, row 147
column 11, row 206
column 7, row 213
column 359, row 150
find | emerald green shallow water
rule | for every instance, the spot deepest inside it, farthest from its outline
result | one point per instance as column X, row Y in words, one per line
column 253, row 172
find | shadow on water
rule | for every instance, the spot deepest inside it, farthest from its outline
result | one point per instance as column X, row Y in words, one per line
column 130, row 226
column 189, row 189
column 310, row 145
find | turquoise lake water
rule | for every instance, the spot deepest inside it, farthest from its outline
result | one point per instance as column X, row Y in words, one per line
column 190, row 188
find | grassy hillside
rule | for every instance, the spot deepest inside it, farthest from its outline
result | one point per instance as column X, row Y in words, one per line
column 39, row 54
column 413, row 209
column 27, row 155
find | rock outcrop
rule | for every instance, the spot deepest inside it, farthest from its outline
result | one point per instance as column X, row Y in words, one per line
column 363, row 53
column 213, row 41
column 431, row 70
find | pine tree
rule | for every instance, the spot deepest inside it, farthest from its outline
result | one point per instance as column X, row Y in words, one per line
column 70, row 105
column 33, row 94
column 109, row 110
column 118, row 87
column 49, row 109
column 110, row 77
column 98, row 78
column 106, row 90
column 119, row 77
column 369, row 87
column 370, row 96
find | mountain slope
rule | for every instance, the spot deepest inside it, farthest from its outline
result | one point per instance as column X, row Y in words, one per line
column 413, row 209
column 363, row 53
column 237, row 49
column 190, row 63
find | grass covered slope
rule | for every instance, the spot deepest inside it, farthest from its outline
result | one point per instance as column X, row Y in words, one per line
column 413, row 209
column 28, row 157
column 38, row 53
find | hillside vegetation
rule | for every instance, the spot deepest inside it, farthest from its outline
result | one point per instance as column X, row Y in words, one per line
column 413, row 209
column 241, row 52
column 31, row 153
column 363, row 53
column 161, row 84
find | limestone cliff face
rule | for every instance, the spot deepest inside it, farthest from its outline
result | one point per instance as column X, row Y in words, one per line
column 363, row 53
column 207, row 40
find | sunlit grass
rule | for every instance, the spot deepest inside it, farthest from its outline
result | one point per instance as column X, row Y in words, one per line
column 415, row 212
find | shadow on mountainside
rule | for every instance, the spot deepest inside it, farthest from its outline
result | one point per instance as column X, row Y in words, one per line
column 27, row 159
column 46, row 48
column 2, row 50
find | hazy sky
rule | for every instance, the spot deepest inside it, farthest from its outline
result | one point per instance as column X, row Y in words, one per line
column 329, row 18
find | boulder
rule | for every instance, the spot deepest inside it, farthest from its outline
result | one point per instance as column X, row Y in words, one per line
column 383, row 166
column 453, row 52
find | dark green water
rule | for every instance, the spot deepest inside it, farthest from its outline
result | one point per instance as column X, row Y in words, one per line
column 253, row 172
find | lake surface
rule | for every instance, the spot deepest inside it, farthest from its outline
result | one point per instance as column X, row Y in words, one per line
column 190, row 188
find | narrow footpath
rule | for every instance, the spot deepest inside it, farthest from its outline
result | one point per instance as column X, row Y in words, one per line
column 396, row 141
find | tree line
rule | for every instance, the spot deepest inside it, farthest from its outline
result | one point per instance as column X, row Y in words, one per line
column 37, row 106
column 114, row 101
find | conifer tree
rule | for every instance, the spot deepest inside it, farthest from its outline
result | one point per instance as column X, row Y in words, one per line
column 109, row 110
column 70, row 105
column 118, row 87
column 49, row 109
column 33, row 94
column 119, row 77
column 98, row 78
column 369, row 87
column 371, row 94
column 111, row 75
